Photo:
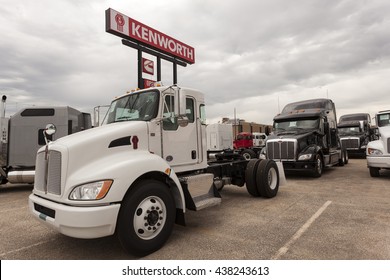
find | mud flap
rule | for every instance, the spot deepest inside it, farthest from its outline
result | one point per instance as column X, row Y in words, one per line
column 282, row 177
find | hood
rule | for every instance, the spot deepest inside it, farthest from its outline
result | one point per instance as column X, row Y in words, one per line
column 84, row 147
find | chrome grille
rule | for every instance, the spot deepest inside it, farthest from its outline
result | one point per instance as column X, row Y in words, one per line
column 40, row 172
column 54, row 173
column 350, row 143
column 281, row 149
column 48, row 172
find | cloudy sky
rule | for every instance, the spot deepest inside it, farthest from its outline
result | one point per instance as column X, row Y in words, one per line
column 252, row 55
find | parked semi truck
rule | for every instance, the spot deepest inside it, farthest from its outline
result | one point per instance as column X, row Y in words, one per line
column 355, row 132
column 139, row 172
column 305, row 137
column 23, row 134
column 378, row 151
column 249, row 145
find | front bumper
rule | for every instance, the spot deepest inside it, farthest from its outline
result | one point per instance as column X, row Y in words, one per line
column 299, row 165
column 378, row 161
column 79, row 222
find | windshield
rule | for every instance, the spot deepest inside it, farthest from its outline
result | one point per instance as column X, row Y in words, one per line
column 295, row 125
column 141, row 106
column 383, row 120
column 349, row 130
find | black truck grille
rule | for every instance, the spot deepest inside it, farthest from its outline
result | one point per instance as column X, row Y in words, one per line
column 281, row 149
column 350, row 143
column 388, row 145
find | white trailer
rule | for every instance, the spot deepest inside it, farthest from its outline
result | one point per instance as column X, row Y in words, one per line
column 219, row 137
column 139, row 173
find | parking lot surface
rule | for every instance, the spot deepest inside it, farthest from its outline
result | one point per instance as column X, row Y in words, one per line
column 344, row 215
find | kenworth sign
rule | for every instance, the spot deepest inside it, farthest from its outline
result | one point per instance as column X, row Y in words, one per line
column 130, row 29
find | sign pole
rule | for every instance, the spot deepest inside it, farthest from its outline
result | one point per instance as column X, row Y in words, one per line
column 140, row 80
column 174, row 72
column 158, row 68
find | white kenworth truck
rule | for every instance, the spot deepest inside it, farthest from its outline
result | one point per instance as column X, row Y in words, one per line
column 137, row 174
column 378, row 151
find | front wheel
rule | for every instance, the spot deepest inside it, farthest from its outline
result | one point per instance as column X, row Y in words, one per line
column 146, row 218
column 319, row 167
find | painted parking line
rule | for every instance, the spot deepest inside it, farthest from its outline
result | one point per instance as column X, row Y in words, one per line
column 25, row 248
column 301, row 231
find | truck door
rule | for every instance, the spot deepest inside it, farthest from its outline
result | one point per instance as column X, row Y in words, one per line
column 180, row 146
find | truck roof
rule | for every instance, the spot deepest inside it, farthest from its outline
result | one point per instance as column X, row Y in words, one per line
column 348, row 123
column 303, row 113
column 355, row 117
column 189, row 91
column 319, row 103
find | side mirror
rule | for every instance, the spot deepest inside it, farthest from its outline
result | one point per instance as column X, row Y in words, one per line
column 326, row 127
column 180, row 108
column 361, row 125
column 49, row 130
column 180, row 103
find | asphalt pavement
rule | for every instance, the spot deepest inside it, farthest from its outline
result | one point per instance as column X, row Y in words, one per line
column 344, row 215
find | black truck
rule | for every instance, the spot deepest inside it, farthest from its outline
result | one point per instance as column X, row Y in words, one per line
column 305, row 137
column 355, row 132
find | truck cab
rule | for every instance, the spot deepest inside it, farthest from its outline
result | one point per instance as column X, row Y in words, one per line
column 355, row 132
column 378, row 151
column 138, row 173
column 305, row 137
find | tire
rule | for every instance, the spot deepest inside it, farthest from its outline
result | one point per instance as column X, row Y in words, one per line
column 374, row 171
column 319, row 166
column 267, row 178
column 250, row 177
column 346, row 158
column 341, row 159
column 248, row 154
column 146, row 218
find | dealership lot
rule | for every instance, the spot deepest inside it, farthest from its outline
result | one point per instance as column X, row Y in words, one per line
column 345, row 214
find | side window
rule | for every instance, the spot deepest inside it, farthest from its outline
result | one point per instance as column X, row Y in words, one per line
column 190, row 110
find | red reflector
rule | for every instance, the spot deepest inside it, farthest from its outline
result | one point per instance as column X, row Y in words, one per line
column 134, row 140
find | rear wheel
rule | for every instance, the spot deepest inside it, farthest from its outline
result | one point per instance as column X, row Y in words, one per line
column 146, row 218
column 374, row 171
column 248, row 154
column 250, row 177
column 267, row 178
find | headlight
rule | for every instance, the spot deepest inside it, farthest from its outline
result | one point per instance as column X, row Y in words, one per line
column 305, row 157
column 91, row 191
column 374, row 152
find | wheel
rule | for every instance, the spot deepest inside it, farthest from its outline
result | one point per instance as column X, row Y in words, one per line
column 346, row 157
column 374, row 171
column 267, row 178
column 341, row 159
column 250, row 177
column 248, row 154
column 319, row 167
column 146, row 218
